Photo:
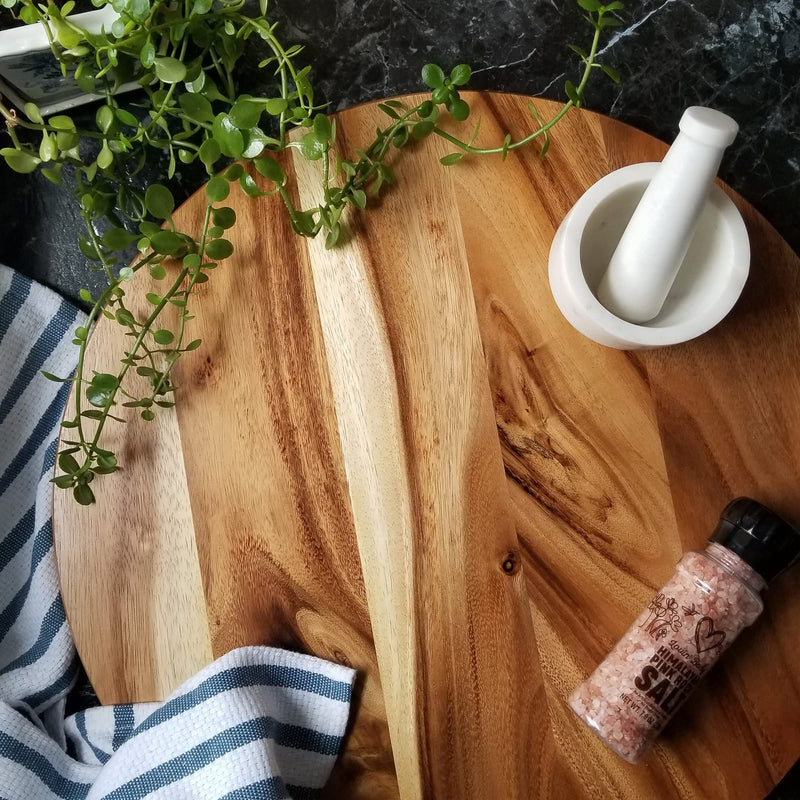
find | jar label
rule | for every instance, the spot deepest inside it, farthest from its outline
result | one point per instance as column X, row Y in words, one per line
column 674, row 669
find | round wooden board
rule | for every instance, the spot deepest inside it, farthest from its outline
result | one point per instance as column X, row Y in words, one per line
column 339, row 437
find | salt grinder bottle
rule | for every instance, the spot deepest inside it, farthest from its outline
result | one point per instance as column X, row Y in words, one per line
column 685, row 628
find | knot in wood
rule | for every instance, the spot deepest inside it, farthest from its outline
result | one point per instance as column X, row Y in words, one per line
column 510, row 563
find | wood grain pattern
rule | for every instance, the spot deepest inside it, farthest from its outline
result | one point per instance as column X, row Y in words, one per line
column 144, row 587
column 428, row 494
column 339, row 415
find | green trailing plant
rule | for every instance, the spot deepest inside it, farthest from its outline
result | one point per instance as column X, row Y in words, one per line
column 184, row 56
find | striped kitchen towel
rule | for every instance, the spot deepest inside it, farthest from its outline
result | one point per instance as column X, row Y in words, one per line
column 257, row 723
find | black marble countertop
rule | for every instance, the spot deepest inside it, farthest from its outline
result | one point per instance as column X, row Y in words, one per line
column 739, row 56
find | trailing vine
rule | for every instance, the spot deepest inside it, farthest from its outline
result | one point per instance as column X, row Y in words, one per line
column 183, row 55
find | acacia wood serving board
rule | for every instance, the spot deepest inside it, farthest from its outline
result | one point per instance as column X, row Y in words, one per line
column 399, row 456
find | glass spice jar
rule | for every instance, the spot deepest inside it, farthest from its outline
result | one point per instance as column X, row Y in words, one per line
column 685, row 628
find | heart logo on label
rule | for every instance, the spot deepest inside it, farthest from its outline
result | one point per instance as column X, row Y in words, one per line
column 706, row 637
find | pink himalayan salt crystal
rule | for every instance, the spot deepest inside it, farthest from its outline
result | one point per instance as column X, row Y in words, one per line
column 681, row 633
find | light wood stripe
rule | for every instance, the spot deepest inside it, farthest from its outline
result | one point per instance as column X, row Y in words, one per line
column 129, row 570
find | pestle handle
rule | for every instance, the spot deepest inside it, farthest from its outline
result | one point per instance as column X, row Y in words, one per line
column 652, row 248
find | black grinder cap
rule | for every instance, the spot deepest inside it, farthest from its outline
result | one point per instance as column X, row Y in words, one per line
column 758, row 536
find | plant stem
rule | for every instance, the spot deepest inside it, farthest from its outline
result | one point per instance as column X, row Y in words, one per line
column 468, row 148
column 129, row 361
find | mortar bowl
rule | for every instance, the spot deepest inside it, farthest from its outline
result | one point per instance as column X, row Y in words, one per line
column 710, row 280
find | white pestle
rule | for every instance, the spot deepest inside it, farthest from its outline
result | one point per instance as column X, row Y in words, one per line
column 650, row 252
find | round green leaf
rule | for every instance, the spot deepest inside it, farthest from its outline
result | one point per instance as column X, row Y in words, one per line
column 86, row 295
column 322, row 128
column 148, row 228
column 97, row 396
column 62, row 123
column 148, row 415
column 209, row 152
column 217, row 189
column 255, row 140
column 105, row 118
column 28, row 14
column 118, row 239
column 67, row 36
column 400, row 138
column 193, row 345
column 168, row 243
column 276, row 106
column 138, row 9
column 426, row 109
column 158, row 272
column 249, row 186
column 19, row 160
column 303, row 223
column 234, row 172
column 48, row 149
column 311, row 147
column 432, row 76
column 224, row 217
column 124, row 317
column 68, row 464
column 53, row 174
column 105, row 380
column 83, row 494
column 196, row 107
column 66, row 140
column 169, row 70
column 441, row 94
column 33, row 113
column 246, row 113
column 105, row 158
column 422, row 129
column 227, row 136
column 159, row 201
column 198, row 83
column 107, row 462
column 359, row 198
column 459, row 110
column 460, row 74
column 126, row 118
column 163, row 336
column 271, row 169
column 219, row 249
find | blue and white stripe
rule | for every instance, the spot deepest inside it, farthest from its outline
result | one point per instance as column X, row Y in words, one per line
column 257, row 723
